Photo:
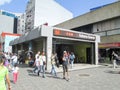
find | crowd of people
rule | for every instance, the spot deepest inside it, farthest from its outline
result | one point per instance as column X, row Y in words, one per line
column 9, row 64
column 40, row 63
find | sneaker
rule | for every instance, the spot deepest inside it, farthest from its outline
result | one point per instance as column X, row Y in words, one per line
column 68, row 79
column 43, row 76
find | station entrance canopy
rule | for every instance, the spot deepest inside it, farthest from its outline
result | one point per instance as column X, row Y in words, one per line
column 45, row 31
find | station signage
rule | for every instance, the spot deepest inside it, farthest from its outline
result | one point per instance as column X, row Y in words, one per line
column 57, row 32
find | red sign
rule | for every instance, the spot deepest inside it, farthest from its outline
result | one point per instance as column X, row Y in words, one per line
column 109, row 45
column 57, row 32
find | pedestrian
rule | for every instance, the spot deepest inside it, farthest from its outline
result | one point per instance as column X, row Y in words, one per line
column 114, row 57
column 14, row 59
column 72, row 57
column 4, row 76
column 65, row 66
column 53, row 57
column 42, row 64
column 15, row 70
column 20, row 59
column 37, row 62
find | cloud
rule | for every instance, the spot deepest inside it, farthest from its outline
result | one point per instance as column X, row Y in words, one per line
column 2, row 2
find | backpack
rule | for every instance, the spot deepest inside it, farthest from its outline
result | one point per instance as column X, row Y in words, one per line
column 57, row 61
column 72, row 57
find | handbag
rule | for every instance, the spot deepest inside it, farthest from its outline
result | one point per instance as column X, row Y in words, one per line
column 44, row 63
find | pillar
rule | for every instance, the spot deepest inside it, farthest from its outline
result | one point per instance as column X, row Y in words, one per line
column 48, row 52
column 96, row 53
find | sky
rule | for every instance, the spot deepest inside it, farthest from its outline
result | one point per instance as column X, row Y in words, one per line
column 77, row 7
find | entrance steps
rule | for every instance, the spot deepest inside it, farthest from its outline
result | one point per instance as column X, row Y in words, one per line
column 75, row 67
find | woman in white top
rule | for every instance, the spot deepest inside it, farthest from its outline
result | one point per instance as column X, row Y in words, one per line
column 14, row 59
column 42, row 64
column 37, row 62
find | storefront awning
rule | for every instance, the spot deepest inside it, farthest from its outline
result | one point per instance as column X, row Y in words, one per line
column 33, row 34
column 36, row 33
column 109, row 45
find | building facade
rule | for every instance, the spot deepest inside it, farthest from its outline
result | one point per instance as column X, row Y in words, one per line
column 84, row 45
column 104, row 21
column 21, row 24
column 8, row 24
column 39, row 12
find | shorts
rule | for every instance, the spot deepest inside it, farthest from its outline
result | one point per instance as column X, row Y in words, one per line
column 65, row 68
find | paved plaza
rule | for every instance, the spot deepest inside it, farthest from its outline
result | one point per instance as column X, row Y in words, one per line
column 95, row 78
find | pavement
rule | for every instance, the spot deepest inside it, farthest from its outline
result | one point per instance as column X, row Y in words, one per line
column 82, row 77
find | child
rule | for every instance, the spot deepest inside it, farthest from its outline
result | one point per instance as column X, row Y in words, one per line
column 15, row 70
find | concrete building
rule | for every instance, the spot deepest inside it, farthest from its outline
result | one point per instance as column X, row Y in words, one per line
column 21, row 24
column 8, row 22
column 104, row 21
column 84, row 45
column 39, row 12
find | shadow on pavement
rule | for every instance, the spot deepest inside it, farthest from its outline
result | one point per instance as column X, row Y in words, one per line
column 113, row 72
column 11, row 81
column 23, row 65
column 55, row 77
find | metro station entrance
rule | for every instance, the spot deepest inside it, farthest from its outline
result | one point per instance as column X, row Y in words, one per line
column 83, row 45
column 84, row 51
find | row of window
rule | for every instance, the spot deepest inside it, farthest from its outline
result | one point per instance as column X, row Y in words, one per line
column 109, row 32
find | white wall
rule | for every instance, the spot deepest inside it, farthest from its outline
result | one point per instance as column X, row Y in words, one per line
column 6, row 24
column 51, row 12
column 8, row 38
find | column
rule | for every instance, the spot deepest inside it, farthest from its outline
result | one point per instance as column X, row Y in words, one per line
column 96, row 53
column 30, row 46
column 48, row 52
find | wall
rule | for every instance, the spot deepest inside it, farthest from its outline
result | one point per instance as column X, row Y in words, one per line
column 104, row 13
column 107, row 25
column 80, row 51
column 51, row 12
column 110, row 39
column 6, row 24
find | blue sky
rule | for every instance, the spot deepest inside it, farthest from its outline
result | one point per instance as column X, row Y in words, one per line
column 77, row 7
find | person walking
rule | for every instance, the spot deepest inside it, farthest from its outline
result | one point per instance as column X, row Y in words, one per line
column 42, row 64
column 14, row 59
column 72, row 57
column 4, row 76
column 65, row 66
column 115, row 57
column 53, row 71
column 15, row 70
column 37, row 61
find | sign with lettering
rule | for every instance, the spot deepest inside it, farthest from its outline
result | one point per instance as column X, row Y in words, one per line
column 57, row 32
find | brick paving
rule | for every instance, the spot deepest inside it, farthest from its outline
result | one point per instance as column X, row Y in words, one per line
column 96, row 78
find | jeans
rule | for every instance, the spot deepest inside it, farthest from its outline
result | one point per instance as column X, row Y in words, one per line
column 72, row 62
column 53, row 71
column 36, row 67
column 41, row 69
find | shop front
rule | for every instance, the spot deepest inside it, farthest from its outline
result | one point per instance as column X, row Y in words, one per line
column 106, row 49
column 52, row 39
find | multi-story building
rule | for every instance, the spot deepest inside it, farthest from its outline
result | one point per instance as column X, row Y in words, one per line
column 8, row 22
column 8, row 29
column 104, row 21
column 21, row 24
column 39, row 12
